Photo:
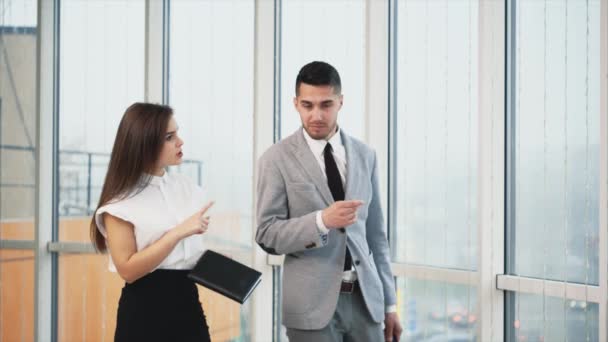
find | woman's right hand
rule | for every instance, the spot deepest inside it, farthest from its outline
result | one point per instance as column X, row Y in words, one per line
column 197, row 223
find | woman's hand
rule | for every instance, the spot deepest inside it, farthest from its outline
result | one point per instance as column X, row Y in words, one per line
column 195, row 224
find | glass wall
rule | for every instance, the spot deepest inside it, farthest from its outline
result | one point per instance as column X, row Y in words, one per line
column 16, row 295
column 436, row 311
column 554, row 173
column 436, row 163
column 18, row 35
column 101, row 73
column 556, row 141
column 544, row 318
column 333, row 32
column 211, row 89
column 553, row 237
column 437, row 141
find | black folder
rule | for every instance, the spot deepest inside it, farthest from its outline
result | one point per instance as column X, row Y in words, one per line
column 225, row 276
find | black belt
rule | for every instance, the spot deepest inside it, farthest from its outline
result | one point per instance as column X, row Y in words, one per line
column 349, row 286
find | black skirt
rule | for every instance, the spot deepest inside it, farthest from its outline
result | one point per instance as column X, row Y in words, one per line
column 162, row 306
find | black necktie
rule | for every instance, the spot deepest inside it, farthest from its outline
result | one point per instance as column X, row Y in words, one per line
column 337, row 190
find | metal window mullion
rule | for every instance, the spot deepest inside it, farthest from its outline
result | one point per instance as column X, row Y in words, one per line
column 264, row 123
column 510, row 169
column 491, row 147
column 603, row 176
column 47, row 142
column 156, row 68
column 436, row 274
column 391, row 207
column 276, row 270
column 381, row 104
column 71, row 247
column 277, row 35
column 380, row 76
column 166, row 45
column 551, row 288
column 17, row 244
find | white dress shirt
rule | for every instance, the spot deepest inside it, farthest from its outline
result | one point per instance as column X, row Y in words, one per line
column 160, row 206
column 339, row 153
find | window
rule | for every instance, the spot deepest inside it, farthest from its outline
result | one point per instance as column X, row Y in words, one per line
column 435, row 200
column 211, row 91
column 332, row 32
column 18, row 161
column 554, row 166
column 101, row 74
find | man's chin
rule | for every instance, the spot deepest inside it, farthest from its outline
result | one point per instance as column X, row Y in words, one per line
column 317, row 134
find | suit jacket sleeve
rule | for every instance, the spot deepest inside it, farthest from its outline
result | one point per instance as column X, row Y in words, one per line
column 376, row 239
column 277, row 232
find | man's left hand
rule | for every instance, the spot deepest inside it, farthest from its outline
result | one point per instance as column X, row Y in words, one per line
column 392, row 327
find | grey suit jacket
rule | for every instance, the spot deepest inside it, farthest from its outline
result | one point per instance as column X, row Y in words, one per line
column 291, row 188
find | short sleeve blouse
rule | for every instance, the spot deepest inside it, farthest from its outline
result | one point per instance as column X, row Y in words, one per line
column 157, row 208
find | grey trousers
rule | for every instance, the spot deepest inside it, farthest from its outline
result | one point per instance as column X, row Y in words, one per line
column 350, row 323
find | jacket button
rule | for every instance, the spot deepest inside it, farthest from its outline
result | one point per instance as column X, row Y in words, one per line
column 357, row 262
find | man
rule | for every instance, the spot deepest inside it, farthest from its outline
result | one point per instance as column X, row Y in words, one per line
column 319, row 204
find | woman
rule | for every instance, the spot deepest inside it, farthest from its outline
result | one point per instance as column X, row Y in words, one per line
column 152, row 222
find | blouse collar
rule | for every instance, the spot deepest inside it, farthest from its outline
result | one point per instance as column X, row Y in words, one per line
column 158, row 180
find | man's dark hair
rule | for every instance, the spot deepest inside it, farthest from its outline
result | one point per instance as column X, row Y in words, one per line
column 319, row 74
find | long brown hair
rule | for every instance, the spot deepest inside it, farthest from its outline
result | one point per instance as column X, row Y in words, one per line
column 136, row 150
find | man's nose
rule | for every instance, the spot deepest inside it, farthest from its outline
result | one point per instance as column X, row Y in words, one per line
column 317, row 114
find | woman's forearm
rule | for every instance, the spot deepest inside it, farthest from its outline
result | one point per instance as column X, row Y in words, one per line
column 143, row 262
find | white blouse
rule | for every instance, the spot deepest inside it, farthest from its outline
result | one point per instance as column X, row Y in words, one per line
column 163, row 204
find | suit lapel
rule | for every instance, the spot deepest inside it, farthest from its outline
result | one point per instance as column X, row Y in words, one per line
column 352, row 167
column 310, row 165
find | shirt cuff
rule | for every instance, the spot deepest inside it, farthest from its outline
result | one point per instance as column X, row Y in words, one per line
column 391, row 308
column 320, row 225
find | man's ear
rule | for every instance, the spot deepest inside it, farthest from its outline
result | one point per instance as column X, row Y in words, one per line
column 341, row 100
column 295, row 102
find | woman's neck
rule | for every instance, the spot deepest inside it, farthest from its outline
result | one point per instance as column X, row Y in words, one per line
column 158, row 172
